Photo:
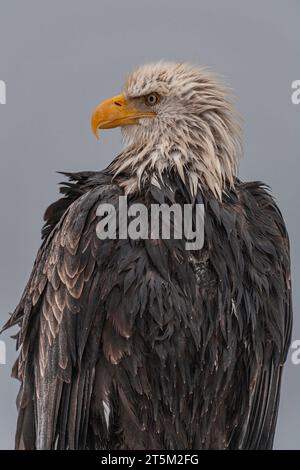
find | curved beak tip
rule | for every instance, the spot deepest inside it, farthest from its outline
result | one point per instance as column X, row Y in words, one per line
column 95, row 126
column 96, row 133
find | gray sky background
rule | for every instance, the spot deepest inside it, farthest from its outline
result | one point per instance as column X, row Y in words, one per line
column 60, row 58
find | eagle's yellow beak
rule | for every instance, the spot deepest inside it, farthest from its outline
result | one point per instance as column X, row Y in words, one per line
column 116, row 112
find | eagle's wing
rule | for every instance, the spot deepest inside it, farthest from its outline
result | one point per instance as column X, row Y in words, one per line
column 60, row 318
column 63, row 323
column 265, row 300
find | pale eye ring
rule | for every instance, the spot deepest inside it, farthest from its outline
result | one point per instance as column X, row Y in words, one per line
column 151, row 99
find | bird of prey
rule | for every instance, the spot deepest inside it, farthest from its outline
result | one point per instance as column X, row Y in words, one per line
column 140, row 343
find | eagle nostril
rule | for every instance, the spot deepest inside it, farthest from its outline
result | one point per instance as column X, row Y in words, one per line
column 117, row 103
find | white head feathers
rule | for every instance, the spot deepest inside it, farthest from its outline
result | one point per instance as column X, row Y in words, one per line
column 195, row 130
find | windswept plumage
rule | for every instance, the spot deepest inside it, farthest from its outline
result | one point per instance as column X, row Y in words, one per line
column 142, row 344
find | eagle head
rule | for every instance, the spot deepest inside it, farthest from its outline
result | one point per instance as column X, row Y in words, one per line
column 174, row 116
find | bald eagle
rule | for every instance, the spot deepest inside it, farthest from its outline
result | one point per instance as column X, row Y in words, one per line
column 140, row 343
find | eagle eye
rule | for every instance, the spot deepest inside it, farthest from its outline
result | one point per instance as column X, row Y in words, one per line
column 151, row 99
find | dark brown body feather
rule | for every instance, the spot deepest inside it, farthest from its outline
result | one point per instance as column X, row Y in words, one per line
column 144, row 345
